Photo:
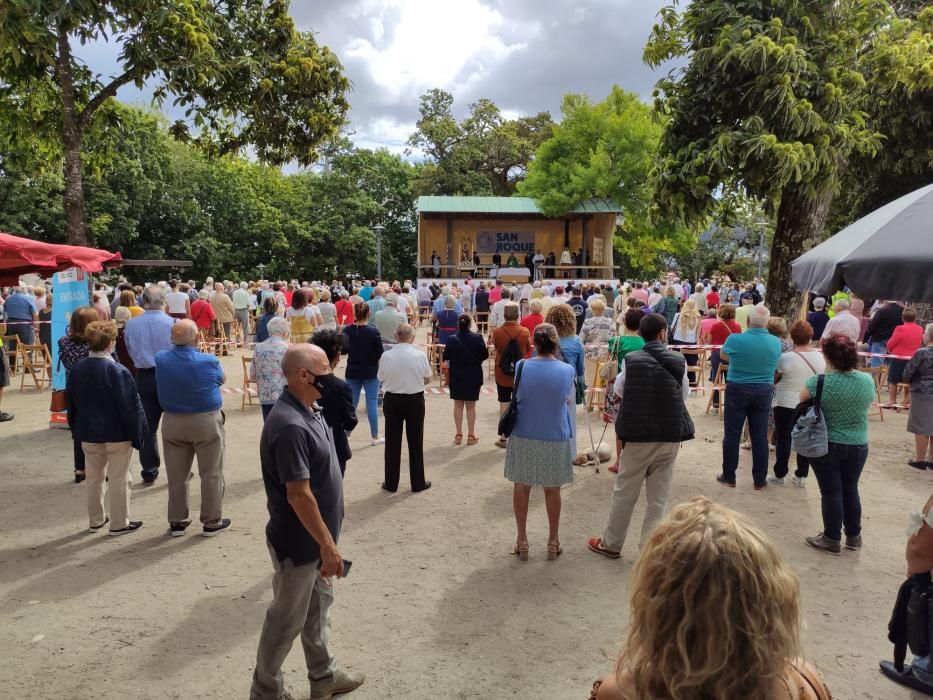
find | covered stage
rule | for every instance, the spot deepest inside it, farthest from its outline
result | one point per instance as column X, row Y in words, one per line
column 510, row 238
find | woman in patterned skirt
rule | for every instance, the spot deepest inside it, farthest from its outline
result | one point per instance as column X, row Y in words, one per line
column 541, row 448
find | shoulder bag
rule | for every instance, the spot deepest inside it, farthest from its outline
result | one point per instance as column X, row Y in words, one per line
column 507, row 421
column 810, row 437
column 59, row 402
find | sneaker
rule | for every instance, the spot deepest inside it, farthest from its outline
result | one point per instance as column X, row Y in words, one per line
column 343, row 682
column 722, row 480
column 502, row 442
column 799, row 481
column 178, row 529
column 95, row 528
column 854, row 543
column 214, row 530
column 823, row 543
column 5, row 417
column 132, row 526
column 378, row 441
column 776, row 480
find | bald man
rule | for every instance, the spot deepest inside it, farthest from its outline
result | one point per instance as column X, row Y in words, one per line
column 304, row 495
column 189, row 384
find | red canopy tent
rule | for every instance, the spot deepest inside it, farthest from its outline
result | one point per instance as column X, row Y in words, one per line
column 21, row 256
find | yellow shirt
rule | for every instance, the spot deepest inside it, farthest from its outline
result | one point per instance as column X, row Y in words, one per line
column 136, row 311
column 741, row 315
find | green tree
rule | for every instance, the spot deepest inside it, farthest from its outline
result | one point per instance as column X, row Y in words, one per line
column 484, row 154
column 607, row 149
column 772, row 102
column 244, row 75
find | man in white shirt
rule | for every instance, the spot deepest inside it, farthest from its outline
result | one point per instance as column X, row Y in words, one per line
column 404, row 372
column 843, row 322
column 241, row 309
column 497, row 312
column 538, row 261
column 388, row 320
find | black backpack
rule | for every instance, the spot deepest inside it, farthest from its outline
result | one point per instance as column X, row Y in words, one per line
column 510, row 357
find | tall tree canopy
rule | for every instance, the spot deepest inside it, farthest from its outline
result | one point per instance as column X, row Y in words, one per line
column 606, row 149
column 483, row 154
column 244, row 75
column 152, row 196
column 771, row 102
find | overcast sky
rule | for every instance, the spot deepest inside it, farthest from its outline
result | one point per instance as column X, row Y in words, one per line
column 522, row 54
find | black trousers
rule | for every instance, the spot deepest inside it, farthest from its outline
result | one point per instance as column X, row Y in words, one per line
column 783, row 424
column 149, row 454
column 407, row 410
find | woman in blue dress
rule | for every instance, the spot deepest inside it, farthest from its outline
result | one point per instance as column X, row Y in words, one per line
column 561, row 316
column 447, row 320
column 540, row 450
column 465, row 353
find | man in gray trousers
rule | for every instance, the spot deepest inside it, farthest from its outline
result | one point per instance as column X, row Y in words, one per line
column 304, row 492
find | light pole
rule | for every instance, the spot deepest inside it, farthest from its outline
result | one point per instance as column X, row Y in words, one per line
column 761, row 246
column 378, row 229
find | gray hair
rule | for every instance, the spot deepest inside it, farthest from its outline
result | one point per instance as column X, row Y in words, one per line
column 278, row 326
column 153, row 298
column 204, row 294
column 392, row 299
column 510, row 311
column 758, row 317
column 450, row 302
column 928, row 335
column 842, row 305
column 405, row 333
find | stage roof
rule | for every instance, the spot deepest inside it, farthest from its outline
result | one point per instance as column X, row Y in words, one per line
column 507, row 205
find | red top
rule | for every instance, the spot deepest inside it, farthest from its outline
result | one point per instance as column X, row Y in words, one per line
column 906, row 340
column 344, row 312
column 202, row 314
column 288, row 297
column 719, row 332
column 532, row 321
column 712, row 300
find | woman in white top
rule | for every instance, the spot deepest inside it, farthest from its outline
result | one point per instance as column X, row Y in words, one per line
column 793, row 370
column 699, row 298
column 327, row 311
column 301, row 317
column 686, row 331
column 177, row 303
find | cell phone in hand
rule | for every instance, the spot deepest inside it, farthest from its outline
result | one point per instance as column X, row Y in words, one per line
column 346, row 567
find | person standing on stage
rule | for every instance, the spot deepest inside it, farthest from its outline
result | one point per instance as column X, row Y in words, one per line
column 145, row 336
column 404, row 372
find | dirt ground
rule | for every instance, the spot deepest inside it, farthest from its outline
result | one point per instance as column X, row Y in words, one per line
column 434, row 607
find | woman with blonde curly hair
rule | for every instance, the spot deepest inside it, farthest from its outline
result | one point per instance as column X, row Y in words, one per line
column 561, row 316
column 715, row 613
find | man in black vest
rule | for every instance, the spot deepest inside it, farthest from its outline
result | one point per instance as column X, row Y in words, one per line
column 652, row 422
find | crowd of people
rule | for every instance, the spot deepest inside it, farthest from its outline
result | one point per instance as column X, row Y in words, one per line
column 149, row 356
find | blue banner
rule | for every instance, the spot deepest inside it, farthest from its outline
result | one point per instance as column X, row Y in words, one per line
column 69, row 292
column 518, row 242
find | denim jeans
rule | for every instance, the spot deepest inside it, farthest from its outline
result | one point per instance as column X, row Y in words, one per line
column 880, row 348
column 783, row 424
column 751, row 402
column 371, row 387
column 837, row 474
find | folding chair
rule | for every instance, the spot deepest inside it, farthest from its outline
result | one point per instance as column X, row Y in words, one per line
column 877, row 375
column 248, row 392
column 37, row 365
column 698, row 370
column 719, row 384
column 12, row 354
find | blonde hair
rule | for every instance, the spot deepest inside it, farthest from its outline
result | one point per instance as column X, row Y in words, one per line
column 100, row 334
column 562, row 318
column 689, row 316
column 535, row 306
column 715, row 612
column 598, row 306
column 777, row 326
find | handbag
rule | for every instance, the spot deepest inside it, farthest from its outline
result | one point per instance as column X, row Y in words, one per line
column 810, row 437
column 507, row 421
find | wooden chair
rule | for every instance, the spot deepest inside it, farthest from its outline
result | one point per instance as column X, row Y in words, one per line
column 12, row 354
column 492, row 360
column 249, row 393
column 37, row 365
column 719, row 384
column 204, row 344
column 878, row 376
column 698, row 370
column 237, row 330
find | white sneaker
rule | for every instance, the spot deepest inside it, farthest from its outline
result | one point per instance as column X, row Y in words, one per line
column 378, row 441
column 776, row 480
column 799, row 481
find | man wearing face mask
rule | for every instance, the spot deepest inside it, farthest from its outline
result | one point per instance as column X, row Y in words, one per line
column 404, row 371
column 653, row 421
column 189, row 384
column 304, row 495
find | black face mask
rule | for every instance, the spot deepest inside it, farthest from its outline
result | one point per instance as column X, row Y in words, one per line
column 324, row 383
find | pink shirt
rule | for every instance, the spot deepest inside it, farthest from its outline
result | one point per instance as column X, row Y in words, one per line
column 495, row 294
column 706, row 325
column 641, row 295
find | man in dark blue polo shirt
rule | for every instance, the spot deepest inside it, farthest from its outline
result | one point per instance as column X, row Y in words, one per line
column 189, row 383
column 21, row 314
column 304, row 494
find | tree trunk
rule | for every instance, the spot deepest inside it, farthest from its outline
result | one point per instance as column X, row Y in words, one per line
column 799, row 227
column 72, row 131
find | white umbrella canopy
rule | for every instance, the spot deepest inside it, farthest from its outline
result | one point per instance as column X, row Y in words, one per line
column 887, row 254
